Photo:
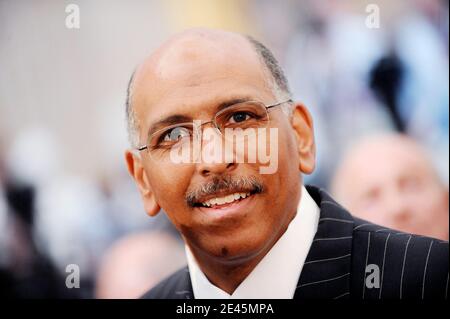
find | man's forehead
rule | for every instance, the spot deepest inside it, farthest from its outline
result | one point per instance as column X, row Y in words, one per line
column 194, row 47
column 197, row 64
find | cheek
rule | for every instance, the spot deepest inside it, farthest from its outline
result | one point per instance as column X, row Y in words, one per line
column 288, row 158
column 283, row 186
column 431, row 201
column 169, row 184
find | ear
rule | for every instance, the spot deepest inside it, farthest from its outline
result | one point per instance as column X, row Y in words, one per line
column 136, row 170
column 302, row 123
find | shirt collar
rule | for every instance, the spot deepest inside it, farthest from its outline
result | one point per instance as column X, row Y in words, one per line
column 277, row 274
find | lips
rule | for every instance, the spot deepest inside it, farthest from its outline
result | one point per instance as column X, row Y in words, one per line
column 219, row 214
column 227, row 199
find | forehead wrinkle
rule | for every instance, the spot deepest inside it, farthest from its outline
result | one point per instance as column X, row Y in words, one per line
column 169, row 102
column 166, row 97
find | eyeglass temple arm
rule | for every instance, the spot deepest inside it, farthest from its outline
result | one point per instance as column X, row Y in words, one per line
column 273, row 105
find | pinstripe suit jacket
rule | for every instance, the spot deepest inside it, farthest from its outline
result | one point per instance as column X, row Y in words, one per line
column 354, row 259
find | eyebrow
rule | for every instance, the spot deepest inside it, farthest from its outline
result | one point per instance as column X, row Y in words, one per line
column 179, row 118
column 167, row 121
column 231, row 102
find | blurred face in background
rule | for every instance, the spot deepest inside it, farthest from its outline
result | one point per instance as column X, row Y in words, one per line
column 389, row 180
column 136, row 262
column 191, row 76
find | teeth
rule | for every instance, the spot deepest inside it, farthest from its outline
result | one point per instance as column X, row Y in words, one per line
column 225, row 199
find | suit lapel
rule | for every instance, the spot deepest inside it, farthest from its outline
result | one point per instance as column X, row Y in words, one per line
column 326, row 272
column 182, row 286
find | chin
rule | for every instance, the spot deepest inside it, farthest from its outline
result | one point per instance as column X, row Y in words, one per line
column 236, row 248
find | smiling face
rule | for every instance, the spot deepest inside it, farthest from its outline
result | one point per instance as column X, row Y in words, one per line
column 226, row 211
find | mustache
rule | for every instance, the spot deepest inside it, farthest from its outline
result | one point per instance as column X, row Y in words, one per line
column 232, row 184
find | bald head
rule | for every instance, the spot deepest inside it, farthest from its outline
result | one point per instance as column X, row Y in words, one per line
column 388, row 179
column 183, row 59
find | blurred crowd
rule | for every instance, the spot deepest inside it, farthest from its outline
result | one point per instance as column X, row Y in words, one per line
column 379, row 98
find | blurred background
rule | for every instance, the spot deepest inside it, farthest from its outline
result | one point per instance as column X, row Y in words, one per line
column 369, row 71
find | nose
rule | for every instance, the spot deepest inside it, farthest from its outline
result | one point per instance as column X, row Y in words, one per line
column 215, row 169
column 215, row 159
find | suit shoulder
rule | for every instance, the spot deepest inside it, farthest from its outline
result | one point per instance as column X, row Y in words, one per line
column 411, row 266
column 176, row 286
column 362, row 228
column 395, row 240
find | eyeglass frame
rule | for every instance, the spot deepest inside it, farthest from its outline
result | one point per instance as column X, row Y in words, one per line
column 213, row 120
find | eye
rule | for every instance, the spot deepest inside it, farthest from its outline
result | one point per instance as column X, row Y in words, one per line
column 238, row 117
column 175, row 134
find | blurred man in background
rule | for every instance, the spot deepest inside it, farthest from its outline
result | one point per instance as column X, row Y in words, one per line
column 388, row 179
column 138, row 261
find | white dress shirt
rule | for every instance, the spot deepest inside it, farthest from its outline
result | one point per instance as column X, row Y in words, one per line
column 277, row 274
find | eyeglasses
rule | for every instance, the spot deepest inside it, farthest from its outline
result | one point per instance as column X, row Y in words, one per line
column 241, row 116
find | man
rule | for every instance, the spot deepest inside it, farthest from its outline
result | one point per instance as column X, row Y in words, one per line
column 401, row 190
column 250, row 233
column 136, row 262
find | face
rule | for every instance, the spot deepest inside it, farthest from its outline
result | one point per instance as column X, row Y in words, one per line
column 191, row 80
column 399, row 191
